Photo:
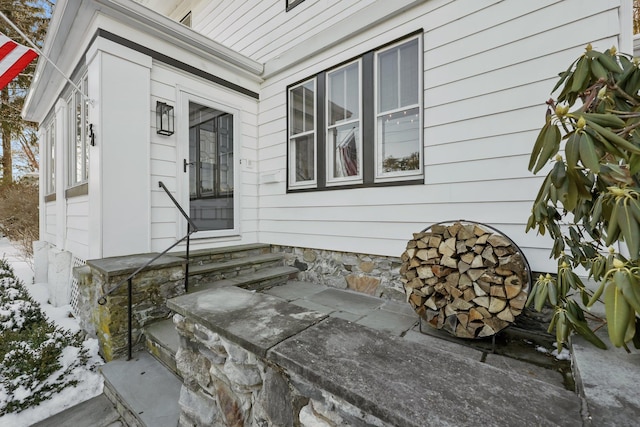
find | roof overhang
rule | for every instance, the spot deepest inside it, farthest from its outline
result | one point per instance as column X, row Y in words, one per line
column 74, row 24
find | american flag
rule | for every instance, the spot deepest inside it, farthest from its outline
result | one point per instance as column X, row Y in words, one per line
column 13, row 59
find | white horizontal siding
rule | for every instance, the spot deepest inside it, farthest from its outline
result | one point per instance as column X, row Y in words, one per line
column 50, row 222
column 77, row 226
column 489, row 67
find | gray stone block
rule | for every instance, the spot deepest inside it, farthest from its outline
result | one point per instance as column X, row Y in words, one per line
column 408, row 384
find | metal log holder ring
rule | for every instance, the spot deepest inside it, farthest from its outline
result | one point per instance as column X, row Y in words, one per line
column 448, row 292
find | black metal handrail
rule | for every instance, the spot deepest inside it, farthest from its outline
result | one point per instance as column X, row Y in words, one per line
column 191, row 228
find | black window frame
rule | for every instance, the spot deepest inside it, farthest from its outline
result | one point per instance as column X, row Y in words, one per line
column 368, row 123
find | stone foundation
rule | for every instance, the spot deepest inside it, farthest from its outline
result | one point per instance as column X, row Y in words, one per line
column 226, row 385
column 375, row 275
column 152, row 287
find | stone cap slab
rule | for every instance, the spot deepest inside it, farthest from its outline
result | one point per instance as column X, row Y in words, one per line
column 408, row 384
column 252, row 320
column 121, row 265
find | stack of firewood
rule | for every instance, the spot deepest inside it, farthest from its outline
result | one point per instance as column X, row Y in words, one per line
column 464, row 279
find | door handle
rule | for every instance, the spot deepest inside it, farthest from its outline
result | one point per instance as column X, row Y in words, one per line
column 185, row 164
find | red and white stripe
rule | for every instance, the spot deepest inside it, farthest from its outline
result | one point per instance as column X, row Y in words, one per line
column 13, row 59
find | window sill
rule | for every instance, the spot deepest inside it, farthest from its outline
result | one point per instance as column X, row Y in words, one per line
column 50, row 197
column 419, row 181
column 78, row 190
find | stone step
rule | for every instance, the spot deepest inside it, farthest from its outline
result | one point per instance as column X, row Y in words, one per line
column 203, row 256
column 162, row 341
column 228, row 268
column 258, row 280
column 143, row 390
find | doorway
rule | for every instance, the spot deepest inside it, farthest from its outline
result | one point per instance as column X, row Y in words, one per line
column 210, row 168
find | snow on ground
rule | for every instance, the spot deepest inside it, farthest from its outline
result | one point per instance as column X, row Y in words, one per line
column 89, row 383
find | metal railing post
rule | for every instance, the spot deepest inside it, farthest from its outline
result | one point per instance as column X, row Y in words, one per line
column 130, row 303
column 186, row 269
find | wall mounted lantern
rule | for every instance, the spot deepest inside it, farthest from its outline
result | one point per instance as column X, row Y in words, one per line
column 164, row 118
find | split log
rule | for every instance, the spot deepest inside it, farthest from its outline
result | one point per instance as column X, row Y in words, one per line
column 465, row 279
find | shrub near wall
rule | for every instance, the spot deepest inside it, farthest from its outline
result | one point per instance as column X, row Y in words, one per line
column 32, row 349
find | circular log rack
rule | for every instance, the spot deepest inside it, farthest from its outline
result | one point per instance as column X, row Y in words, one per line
column 466, row 278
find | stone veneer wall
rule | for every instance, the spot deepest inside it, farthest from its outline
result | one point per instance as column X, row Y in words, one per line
column 226, row 385
column 152, row 287
column 370, row 274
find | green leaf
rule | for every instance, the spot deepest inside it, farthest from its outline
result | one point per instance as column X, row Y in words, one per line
column 558, row 174
column 613, row 138
column 607, row 120
column 629, row 228
column 609, row 63
column 624, row 282
column 597, row 69
column 541, row 296
column 617, row 310
column 583, row 329
column 596, row 294
column 588, row 154
column 563, row 76
column 539, row 144
column 580, row 75
column 572, row 151
column 613, row 230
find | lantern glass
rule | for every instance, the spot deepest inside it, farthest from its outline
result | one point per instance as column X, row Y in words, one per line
column 164, row 118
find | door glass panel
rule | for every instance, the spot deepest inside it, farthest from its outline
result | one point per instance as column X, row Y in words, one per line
column 211, row 182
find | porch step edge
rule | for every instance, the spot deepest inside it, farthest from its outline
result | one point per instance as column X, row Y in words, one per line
column 162, row 342
column 234, row 263
column 222, row 250
column 144, row 391
column 252, row 281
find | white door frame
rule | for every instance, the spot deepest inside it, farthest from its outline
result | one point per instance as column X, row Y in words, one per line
column 182, row 129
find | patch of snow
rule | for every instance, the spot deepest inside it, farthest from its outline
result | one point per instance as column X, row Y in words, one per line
column 541, row 349
column 89, row 382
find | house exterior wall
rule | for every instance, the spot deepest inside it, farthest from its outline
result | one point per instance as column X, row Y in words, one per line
column 488, row 66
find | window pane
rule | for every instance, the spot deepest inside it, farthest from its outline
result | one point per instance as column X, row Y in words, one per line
column 225, row 153
column 399, row 136
column 52, row 157
column 344, row 100
column 302, row 108
column 85, row 142
column 207, row 158
column 409, row 74
column 78, row 138
column 388, row 80
column 303, row 151
column 344, row 141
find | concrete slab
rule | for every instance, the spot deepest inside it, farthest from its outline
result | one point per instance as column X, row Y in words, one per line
column 254, row 320
column 443, row 345
column 608, row 380
column 526, row 369
column 351, row 302
column 116, row 266
column 350, row 317
column 146, row 388
column 164, row 333
column 393, row 323
column 310, row 305
column 407, row 384
column 295, row 289
column 400, row 308
column 95, row 412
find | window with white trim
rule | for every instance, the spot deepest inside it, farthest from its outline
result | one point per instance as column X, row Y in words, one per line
column 78, row 136
column 50, row 163
column 302, row 136
column 344, row 146
column 398, row 127
column 360, row 123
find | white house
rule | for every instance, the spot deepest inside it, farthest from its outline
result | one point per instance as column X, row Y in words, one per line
column 342, row 126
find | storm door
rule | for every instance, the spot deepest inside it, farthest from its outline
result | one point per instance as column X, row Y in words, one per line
column 210, row 167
